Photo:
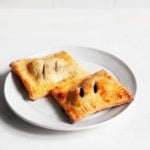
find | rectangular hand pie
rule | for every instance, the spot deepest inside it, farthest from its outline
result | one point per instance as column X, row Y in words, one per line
column 95, row 93
column 40, row 75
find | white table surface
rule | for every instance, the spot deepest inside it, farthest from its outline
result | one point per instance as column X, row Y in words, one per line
column 123, row 33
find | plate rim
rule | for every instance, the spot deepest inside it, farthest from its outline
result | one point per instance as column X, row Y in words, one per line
column 74, row 128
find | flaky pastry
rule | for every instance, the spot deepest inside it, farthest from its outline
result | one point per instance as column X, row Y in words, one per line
column 40, row 75
column 95, row 93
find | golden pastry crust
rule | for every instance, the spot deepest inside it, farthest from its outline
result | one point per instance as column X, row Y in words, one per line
column 95, row 93
column 40, row 75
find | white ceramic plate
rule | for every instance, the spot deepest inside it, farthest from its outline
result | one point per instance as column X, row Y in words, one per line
column 46, row 113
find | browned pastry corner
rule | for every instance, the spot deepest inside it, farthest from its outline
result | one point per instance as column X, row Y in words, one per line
column 95, row 93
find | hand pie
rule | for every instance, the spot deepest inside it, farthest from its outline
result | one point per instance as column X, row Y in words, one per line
column 40, row 75
column 95, row 93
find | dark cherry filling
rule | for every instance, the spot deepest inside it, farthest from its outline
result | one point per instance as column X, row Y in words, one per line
column 81, row 92
column 95, row 88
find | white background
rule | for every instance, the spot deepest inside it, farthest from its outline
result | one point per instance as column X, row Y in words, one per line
column 101, row 4
column 124, row 33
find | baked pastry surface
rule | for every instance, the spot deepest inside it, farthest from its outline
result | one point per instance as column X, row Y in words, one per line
column 40, row 75
column 95, row 93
